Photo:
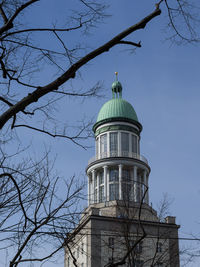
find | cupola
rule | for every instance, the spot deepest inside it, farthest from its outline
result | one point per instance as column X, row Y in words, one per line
column 117, row 109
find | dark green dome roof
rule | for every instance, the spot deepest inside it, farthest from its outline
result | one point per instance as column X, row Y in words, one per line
column 117, row 108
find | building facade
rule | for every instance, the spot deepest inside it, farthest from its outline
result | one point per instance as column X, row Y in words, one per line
column 119, row 227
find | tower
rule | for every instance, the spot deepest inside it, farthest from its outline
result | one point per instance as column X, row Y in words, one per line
column 119, row 225
column 118, row 171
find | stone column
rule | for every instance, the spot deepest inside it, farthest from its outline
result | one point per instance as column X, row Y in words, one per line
column 108, row 189
column 93, row 187
column 130, row 145
column 120, row 181
column 119, row 152
column 105, row 169
column 99, row 148
column 139, row 188
column 108, row 144
column 132, row 185
column 135, row 178
column 97, row 188
column 89, row 190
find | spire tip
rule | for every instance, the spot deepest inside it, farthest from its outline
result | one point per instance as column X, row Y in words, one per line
column 116, row 73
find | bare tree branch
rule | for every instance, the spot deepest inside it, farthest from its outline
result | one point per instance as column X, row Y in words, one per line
column 9, row 23
column 130, row 43
column 71, row 72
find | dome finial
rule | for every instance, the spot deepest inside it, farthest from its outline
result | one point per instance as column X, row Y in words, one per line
column 116, row 73
column 117, row 87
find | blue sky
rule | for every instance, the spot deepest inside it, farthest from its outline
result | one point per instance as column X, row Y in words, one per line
column 161, row 81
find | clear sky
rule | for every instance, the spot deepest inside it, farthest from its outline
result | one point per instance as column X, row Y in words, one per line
column 161, row 81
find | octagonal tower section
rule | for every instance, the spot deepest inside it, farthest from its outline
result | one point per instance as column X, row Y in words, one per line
column 117, row 172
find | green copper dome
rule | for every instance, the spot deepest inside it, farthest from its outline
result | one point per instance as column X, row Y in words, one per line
column 117, row 109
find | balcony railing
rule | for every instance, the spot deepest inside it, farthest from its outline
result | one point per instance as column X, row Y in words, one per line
column 111, row 154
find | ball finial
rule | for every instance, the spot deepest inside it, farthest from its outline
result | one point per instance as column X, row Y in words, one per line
column 116, row 87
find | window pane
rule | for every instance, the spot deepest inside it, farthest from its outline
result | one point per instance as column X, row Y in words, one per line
column 101, row 193
column 134, row 144
column 125, row 142
column 103, row 143
column 95, row 181
column 95, row 195
column 113, row 142
column 126, row 191
column 101, row 178
column 126, row 176
column 114, row 175
column 114, row 191
column 138, row 147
